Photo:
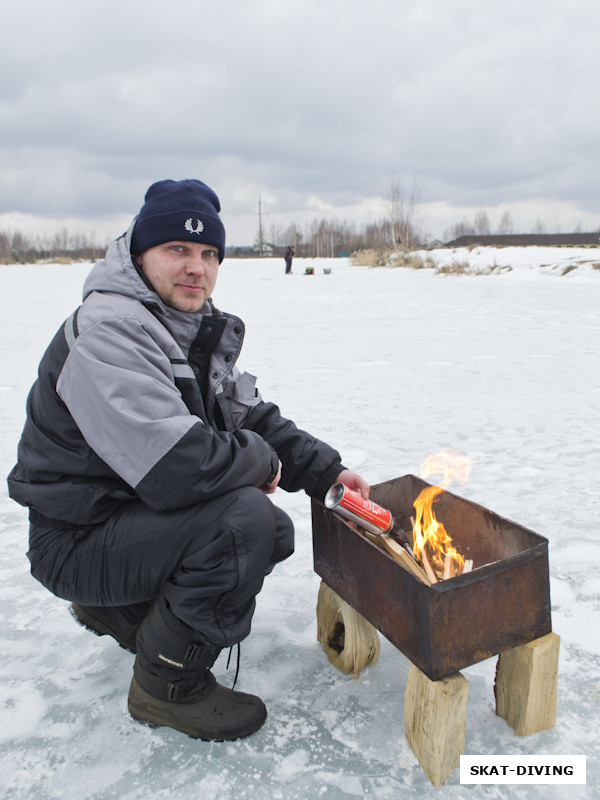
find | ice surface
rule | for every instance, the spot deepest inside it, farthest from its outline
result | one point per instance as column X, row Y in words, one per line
column 389, row 366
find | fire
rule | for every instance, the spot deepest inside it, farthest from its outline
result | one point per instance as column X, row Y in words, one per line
column 429, row 535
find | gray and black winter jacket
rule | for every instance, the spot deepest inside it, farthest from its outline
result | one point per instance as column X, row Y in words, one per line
column 135, row 400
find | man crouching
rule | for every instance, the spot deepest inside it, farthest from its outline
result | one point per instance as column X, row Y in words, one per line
column 146, row 460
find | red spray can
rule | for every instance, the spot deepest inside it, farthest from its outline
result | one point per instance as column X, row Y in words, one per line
column 373, row 518
column 352, row 505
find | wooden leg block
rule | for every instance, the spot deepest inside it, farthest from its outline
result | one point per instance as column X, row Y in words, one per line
column 349, row 640
column 526, row 685
column 435, row 719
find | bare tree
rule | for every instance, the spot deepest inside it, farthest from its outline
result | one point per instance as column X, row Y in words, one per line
column 506, row 224
column 482, row 223
column 5, row 254
column 291, row 236
column 462, row 228
column 538, row 227
column 401, row 209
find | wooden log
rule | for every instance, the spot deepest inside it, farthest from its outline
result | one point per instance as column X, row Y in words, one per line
column 427, row 566
column 399, row 553
column 448, row 567
column 435, row 719
column 349, row 640
column 526, row 685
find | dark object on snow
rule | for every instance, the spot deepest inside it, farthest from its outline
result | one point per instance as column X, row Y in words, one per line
column 288, row 257
column 528, row 240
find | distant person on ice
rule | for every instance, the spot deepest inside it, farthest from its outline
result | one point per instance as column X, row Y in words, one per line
column 146, row 460
column 289, row 255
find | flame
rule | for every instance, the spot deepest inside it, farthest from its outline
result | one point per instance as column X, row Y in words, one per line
column 429, row 534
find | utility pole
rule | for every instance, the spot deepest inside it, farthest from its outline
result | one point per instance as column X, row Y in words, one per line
column 260, row 230
column 261, row 240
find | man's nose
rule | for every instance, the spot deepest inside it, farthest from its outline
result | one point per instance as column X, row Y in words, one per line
column 194, row 264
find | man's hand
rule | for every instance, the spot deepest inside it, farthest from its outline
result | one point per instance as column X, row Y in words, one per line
column 269, row 488
column 354, row 481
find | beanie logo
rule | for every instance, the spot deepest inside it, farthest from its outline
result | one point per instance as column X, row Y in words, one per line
column 189, row 226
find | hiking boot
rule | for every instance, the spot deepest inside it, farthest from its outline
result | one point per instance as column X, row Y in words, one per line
column 172, row 683
column 118, row 622
column 202, row 709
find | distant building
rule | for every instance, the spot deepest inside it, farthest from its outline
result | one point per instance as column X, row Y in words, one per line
column 528, row 240
column 268, row 250
column 240, row 252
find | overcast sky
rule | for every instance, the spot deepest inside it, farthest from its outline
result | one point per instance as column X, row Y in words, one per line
column 313, row 105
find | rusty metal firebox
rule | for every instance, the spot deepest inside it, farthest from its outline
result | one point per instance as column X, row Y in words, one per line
column 502, row 603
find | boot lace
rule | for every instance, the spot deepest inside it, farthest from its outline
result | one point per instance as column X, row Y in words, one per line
column 237, row 666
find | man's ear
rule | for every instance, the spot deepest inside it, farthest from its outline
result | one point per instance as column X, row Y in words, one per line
column 138, row 259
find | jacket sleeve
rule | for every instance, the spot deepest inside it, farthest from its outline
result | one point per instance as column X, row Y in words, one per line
column 118, row 386
column 307, row 462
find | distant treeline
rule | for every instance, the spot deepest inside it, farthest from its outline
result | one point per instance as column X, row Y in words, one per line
column 324, row 238
column 399, row 231
column 321, row 238
column 19, row 248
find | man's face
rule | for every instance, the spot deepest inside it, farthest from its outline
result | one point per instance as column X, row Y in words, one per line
column 183, row 274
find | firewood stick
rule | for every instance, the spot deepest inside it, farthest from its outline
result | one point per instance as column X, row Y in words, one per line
column 425, row 561
column 399, row 553
column 448, row 567
column 427, row 566
column 391, row 546
column 468, row 565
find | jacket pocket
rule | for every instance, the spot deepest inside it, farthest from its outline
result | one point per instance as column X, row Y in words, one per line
column 241, row 395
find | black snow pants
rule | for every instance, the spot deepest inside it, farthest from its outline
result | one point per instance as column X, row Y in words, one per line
column 208, row 561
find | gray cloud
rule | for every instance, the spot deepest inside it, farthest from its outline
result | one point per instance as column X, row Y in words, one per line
column 311, row 104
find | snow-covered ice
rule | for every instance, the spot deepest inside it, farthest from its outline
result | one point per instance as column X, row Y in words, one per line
column 389, row 366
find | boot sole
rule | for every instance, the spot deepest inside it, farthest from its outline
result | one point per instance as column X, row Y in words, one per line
column 97, row 627
column 193, row 735
column 151, row 714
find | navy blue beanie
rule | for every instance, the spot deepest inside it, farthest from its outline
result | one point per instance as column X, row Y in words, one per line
column 179, row 211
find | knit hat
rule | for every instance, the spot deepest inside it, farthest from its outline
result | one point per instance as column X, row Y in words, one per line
column 179, row 211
